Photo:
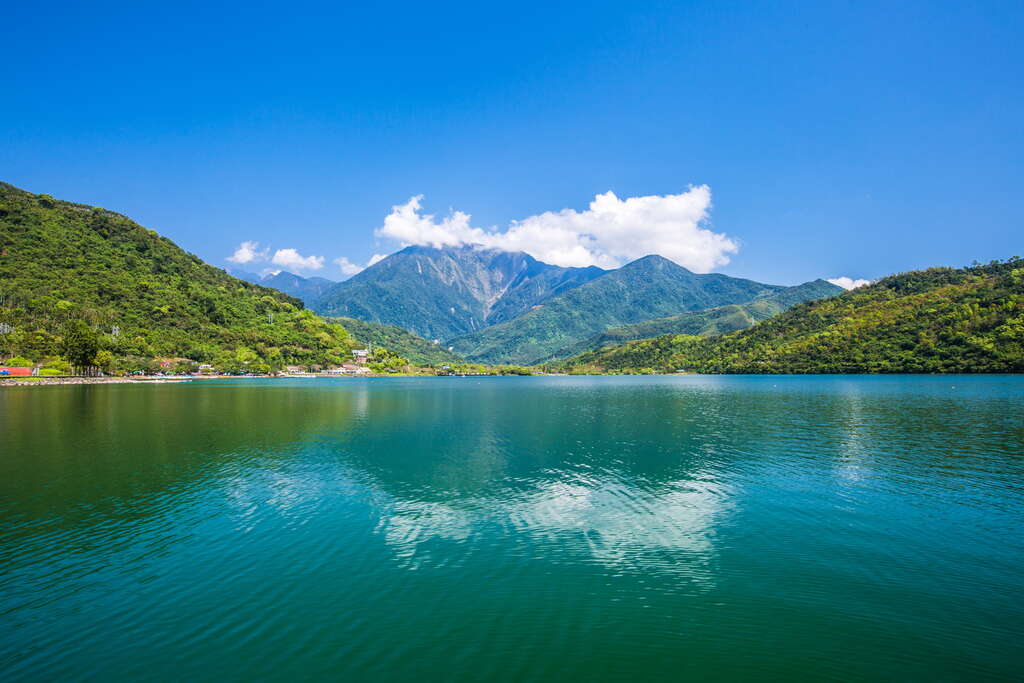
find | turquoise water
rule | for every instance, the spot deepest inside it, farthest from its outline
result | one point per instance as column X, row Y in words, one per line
column 563, row 528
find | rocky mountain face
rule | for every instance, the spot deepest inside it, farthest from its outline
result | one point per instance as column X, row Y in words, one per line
column 446, row 293
column 648, row 288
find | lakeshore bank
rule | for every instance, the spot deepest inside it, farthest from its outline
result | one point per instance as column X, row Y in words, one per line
column 36, row 381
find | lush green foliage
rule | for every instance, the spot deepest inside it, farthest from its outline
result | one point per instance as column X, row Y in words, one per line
column 651, row 287
column 419, row 351
column 443, row 293
column 481, row 369
column 935, row 320
column 383, row 360
column 143, row 295
column 80, row 344
column 711, row 321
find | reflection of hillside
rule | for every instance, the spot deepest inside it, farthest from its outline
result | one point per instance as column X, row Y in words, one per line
column 630, row 472
column 116, row 447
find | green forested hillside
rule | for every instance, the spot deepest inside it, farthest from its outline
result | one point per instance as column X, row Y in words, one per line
column 142, row 294
column 650, row 287
column 935, row 320
column 418, row 350
column 710, row 321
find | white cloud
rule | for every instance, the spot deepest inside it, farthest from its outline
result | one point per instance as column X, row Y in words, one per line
column 848, row 282
column 292, row 260
column 248, row 252
column 609, row 233
column 349, row 269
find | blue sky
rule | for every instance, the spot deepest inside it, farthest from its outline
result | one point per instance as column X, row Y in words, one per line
column 836, row 138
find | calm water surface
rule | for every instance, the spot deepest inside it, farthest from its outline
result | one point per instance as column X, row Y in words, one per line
column 514, row 529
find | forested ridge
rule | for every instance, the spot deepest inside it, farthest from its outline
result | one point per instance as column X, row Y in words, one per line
column 709, row 322
column 141, row 295
column 935, row 320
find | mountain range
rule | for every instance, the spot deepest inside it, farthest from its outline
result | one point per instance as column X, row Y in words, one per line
column 648, row 288
column 710, row 321
column 63, row 263
column 507, row 307
column 146, row 297
column 308, row 290
column 445, row 293
column 939, row 320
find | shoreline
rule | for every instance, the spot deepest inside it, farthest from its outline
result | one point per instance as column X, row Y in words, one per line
column 72, row 381
column 36, row 381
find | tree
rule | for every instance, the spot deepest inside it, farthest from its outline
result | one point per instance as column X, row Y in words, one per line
column 382, row 360
column 79, row 345
column 104, row 361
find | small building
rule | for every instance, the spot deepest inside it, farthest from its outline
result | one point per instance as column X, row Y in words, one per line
column 15, row 372
column 361, row 356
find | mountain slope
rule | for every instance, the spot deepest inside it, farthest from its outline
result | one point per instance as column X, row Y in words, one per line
column 443, row 293
column 710, row 321
column 651, row 287
column 936, row 320
column 306, row 289
column 418, row 350
column 60, row 261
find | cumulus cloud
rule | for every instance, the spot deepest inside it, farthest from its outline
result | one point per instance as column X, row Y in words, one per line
column 848, row 282
column 609, row 233
column 248, row 252
column 349, row 269
column 291, row 259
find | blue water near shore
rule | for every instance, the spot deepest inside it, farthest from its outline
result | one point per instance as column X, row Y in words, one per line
column 537, row 528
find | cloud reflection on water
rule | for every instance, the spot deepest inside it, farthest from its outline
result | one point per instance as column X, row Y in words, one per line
column 621, row 525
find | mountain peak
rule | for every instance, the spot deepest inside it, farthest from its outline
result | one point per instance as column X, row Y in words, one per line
column 444, row 292
column 655, row 261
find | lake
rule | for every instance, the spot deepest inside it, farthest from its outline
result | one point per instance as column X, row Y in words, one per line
column 514, row 529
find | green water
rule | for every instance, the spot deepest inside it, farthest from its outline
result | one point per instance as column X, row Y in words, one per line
column 507, row 529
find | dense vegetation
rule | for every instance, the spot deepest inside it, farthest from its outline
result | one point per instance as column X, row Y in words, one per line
column 417, row 350
column 140, row 294
column 935, row 320
column 651, row 287
column 711, row 321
